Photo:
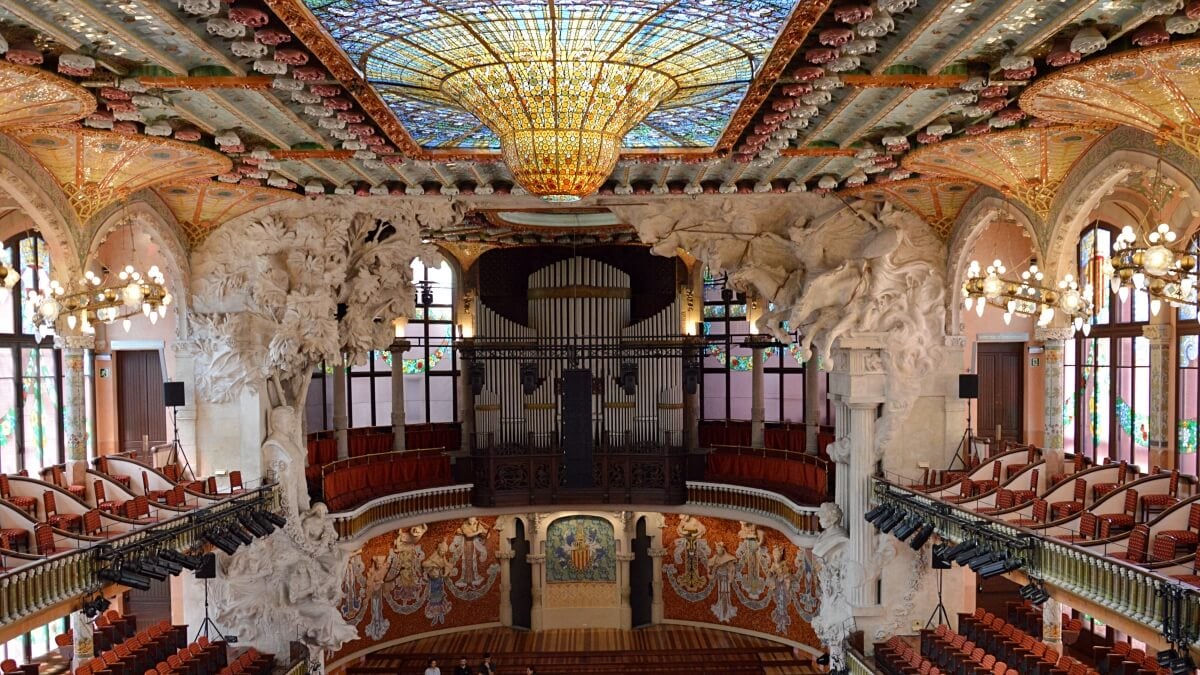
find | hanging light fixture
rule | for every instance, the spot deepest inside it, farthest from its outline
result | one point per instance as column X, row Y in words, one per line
column 93, row 300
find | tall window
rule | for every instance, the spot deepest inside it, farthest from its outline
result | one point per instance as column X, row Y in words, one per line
column 31, row 382
column 1109, row 370
column 1187, row 383
column 428, row 368
column 726, row 386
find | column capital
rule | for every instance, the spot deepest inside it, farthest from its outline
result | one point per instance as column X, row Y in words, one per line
column 506, row 555
column 658, row 552
column 955, row 341
column 75, row 341
column 535, row 558
column 624, row 557
column 1053, row 333
column 1158, row 332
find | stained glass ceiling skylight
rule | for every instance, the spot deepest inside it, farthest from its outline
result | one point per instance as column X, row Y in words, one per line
column 411, row 49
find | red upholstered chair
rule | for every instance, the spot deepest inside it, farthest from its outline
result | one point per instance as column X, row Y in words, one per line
column 1117, row 522
column 1088, row 527
column 1101, row 489
column 60, row 479
column 966, row 490
column 102, row 501
column 1194, row 577
column 1060, row 510
column 1022, row 496
column 982, row 486
column 26, row 504
column 44, row 534
column 14, row 537
column 92, row 525
column 102, row 467
column 235, row 482
column 1182, row 539
column 63, row 521
column 1014, row 469
column 155, row 495
column 1135, row 548
column 1152, row 504
column 1004, row 501
column 178, row 498
column 1040, row 511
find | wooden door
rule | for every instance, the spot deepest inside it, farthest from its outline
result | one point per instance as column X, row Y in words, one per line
column 641, row 578
column 1001, row 389
column 520, row 577
column 140, row 408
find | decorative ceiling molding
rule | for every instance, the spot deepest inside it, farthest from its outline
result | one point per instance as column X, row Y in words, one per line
column 1028, row 164
column 1156, row 90
column 200, row 208
column 30, row 97
column 937, row 200
column 97, row 168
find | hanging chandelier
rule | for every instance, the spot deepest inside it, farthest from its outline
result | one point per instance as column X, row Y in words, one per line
column 1026, row 295
column 95, row 300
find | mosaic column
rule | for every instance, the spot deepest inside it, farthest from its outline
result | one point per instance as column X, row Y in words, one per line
column 1053, row 341
column 341, row 419
column 1160, row 336
column 812, row 405
column 538, row 562
column 82, row 647
column 1052, row 625
column 757, row 395
column 398, row 348
column 656, row 604
column 626, row 610
column 466, row 400
column 74, row 351
column 859, row 384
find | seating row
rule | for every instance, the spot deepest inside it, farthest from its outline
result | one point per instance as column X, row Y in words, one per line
column 347, row 487
column 806, row 482
column 1015, row 646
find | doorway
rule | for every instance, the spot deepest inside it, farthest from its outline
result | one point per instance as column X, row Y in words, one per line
column 520, row 577
column 1001, row 368
column 140, row 408
column 641, row 578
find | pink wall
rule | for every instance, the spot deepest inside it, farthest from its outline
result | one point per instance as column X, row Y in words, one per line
column 1009, row 242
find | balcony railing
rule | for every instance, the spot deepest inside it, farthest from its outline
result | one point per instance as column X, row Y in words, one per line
column 64, row 576
column 402, row 505
column 801, row 520
column 1160, row 603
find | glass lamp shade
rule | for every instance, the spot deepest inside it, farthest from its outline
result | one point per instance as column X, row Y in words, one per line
column 1157, row 260
column 992, row 285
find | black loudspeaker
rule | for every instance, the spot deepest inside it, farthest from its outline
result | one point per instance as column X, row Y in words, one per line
column 968, row 385
column 173, row 394
column 208, row 567
column 577, row 426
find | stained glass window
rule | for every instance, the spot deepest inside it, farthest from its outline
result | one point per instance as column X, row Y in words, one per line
column 1187, row 384
column 408, row 49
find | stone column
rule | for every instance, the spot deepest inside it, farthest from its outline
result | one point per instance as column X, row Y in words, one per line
column 757, row 396
column 505, row 558
column 1160, row 336
column 74, row 349
column 398, row 348
column 1053, row 342
column 1052, row 625
column 626, row 610
column 341, row 418
column 82, row 646
column 859, row 385
column 812, row 406
column 538, row 561
column 656, row 604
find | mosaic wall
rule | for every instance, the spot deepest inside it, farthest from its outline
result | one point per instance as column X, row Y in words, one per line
column 738, row 574
column 581, row 549
column 422, row 578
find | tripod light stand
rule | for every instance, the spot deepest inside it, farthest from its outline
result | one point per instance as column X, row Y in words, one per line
column 173, row 397
column 968, row 390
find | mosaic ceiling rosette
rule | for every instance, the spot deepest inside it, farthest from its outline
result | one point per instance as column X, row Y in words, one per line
column 936, row 200
column 1156, row 90
column 96, row 168
column 1027, row 164
column 201, row 207
column 33, row 97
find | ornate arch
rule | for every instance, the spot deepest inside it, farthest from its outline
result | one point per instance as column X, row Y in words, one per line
column 1097, row 175
column 980, row 211
column 23, row 180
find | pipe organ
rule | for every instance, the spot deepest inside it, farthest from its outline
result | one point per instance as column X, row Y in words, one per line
column 584, row 302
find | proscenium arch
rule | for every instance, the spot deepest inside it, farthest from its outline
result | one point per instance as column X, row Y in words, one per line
column 1098, row 174
column 41, row 201
column 980, row 211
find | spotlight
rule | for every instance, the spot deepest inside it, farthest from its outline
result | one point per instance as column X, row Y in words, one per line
column 275, row 518
column 218, row 539
column 238, row 533
column 1002, row 565
column 529, row 378
column 823, row 660
column 907, row 527
column 940, row 560
column 261, row 518
column 628, row 378
column 253, row 526
column 921, row 537
column 970, row 551
column 877, row 513
column 184, row 560
column 1034, row 593
column 891, row 521
column 170, row 566
column 980, row 559
column 951, row 552
column 1182, row 665
column 150, row 569
column 1165, row 657
column 125, row 577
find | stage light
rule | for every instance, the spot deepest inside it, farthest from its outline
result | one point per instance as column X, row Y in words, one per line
column 1183, row 665
column 892, row 521
column 906, row 528
column 628, row 378
column 171, row 566
column 966, row 553
column 125, row 577
column 823, row 660
column 1165, row 657
column 921, row 537
column 940, row 560
column 529, row 378
column 952, row 552
column 980, row 559
column 218, row 539
column 875, row 512
column 1034, row 593
column 150, row 569
column 253, row 526
column 261, row 518
column 275, row 518
column 1000, row 566
column 184, row 560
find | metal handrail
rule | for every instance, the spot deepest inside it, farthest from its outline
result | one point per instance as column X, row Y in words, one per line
column 346, row 462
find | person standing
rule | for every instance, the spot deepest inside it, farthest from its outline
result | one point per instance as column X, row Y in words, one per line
column 432, row 668
column 462, row 668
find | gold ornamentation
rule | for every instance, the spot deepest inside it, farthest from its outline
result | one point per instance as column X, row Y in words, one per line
column 936, row 200
column 30, row 97
column 1156, row 90
column 201, row 207
column 1029, row 164
column 97, row 168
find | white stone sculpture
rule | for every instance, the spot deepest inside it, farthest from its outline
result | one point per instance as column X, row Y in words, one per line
column 284, row 453
column 835, row 618
column 270, row 615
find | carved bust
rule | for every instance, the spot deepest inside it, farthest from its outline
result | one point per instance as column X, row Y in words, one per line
column 833, row 533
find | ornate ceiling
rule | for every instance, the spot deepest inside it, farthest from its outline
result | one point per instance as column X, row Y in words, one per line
column 334, row 96
column 33, row 97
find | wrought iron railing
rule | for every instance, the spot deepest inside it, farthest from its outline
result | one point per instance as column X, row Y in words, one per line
column 1163, row 604
column 61, row 577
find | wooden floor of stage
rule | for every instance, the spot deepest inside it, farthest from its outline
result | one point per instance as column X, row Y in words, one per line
column 658, row 650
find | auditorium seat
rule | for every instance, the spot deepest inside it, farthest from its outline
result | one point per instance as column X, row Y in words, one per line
column 1004, row 501
column 982, row 486
column 1135, row 547
column 1023, row 496
column 63, row 521
column 1040, row 511
column 26, row 504
column 1157, row 503
column 103, row 467
column 1117, row 522
column 1194, row 577
column 1182, row 541
column 1088, row 527
column 1060, row 510
column 1101, row 489
column 102, row 501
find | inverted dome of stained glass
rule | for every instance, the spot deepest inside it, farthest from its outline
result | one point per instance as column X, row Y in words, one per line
column 562, row 83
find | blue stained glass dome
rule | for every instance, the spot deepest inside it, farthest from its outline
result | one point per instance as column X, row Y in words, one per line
column 710, row 50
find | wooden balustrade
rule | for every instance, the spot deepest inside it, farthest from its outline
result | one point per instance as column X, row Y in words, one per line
column 1124, row 588
column 801, row 520
column 64, row 576
column 858, row 664
column 403, row 505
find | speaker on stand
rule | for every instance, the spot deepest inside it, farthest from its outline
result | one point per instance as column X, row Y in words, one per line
column 968, row 390
column 173, row 397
